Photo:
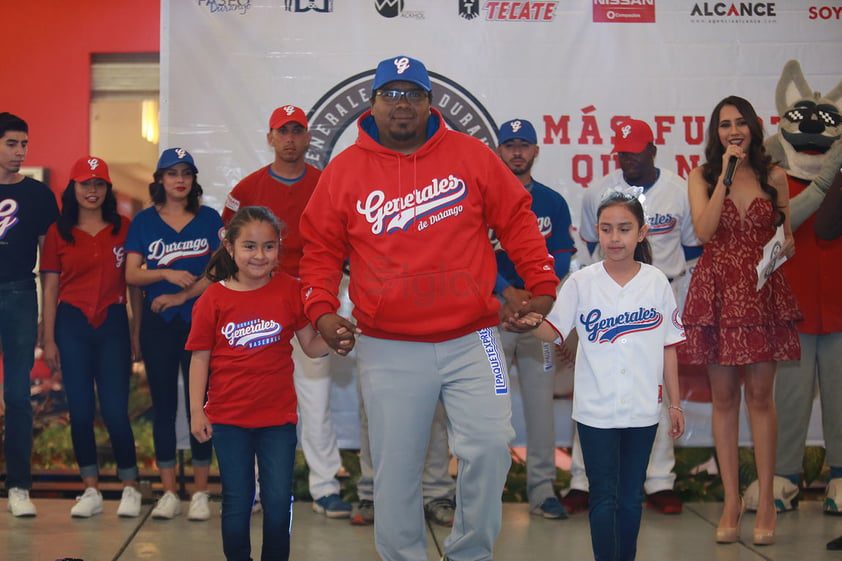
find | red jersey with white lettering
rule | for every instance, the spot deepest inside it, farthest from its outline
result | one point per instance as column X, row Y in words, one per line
column 286, row 201
column 249, row 336
column 813, row 273
column 92, row 269
column 416, row 230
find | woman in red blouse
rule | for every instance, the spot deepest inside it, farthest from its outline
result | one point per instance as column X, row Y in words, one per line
column 86, row 327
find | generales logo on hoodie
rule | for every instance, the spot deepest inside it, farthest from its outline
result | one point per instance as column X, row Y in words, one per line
column 399, row 213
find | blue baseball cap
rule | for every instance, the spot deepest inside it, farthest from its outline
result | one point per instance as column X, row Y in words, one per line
column 403, row 69
column 173, row 156
column 520, row 129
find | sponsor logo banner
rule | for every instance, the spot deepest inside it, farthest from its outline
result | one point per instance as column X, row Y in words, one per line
column 733, row 12
column 239, row 7
column 520, row 11
column 624, row 11
column 322, row 6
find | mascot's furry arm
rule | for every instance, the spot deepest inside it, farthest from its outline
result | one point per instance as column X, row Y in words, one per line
column 807, row 202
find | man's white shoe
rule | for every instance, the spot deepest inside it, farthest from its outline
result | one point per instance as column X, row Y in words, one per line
column 129, row 503
column 833, row 496
column 19, row 503
column 199, row 509
column 87, row 504
column 168, row 506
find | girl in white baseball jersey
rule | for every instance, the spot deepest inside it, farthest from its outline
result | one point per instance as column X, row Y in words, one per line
column 628, row 324
column 242, row 359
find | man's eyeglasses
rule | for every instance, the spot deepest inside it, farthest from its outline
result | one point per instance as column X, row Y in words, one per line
column 394, row 96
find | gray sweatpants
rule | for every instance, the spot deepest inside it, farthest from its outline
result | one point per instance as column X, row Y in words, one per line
column 436, row 482
column 795, row 389
column 536, row 377
column 401, row 383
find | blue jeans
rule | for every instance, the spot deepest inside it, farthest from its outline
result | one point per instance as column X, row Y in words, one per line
column 615, row 463
column 98, row 356
column 18, row 334
column 236, row 448
column 162, row 344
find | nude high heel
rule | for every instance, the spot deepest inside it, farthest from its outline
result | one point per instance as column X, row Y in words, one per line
column 732, row 535
column 761, row 536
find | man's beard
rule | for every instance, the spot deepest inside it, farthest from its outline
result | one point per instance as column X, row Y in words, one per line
column 525, row 170
column 403, row 135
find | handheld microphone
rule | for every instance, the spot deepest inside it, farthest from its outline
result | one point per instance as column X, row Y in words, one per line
column 729, row 171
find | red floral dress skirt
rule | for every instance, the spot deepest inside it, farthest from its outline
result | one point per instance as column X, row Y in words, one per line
column 726, row 319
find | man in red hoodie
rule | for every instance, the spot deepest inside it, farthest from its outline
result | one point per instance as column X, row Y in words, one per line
column 410, row 203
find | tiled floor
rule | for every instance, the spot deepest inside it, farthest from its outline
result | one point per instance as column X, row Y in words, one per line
column 802, row 535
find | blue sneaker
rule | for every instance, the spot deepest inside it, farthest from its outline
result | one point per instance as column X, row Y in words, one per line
column 552, row 509
column 332, row 506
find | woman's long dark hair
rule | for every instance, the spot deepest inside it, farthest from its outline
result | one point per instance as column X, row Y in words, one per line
column 69, row 216
column 159, row 195
column 757, row 157
column 642, row 251
column 221, row 265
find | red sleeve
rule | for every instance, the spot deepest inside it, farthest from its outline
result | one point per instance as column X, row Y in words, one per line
column 49, row 256
column 297, row 306
column 324, row 229
column 232, row 203
column 508, row 211
column 203, row 327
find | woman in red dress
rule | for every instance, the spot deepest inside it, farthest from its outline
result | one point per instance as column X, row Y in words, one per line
column 729, row 322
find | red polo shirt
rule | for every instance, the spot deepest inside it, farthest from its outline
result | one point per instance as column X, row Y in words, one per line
column 92, row 269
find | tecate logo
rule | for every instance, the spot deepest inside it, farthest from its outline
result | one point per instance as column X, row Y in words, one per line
column 520, row 11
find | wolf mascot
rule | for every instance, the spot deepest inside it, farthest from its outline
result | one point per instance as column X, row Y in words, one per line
column 807, row 145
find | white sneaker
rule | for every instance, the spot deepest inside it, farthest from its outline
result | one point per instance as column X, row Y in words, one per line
column 87, row 504
column 168, row 506
column 785, row 491
column 129, row 503
column 833, row 496
column 199, row 509
column 19, row 503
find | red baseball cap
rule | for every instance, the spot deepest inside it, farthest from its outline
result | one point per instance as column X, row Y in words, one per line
column 89, row 167
column 632, row 136
column 287, row 114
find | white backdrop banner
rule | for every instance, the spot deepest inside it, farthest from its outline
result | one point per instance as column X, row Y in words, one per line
column 574, row 68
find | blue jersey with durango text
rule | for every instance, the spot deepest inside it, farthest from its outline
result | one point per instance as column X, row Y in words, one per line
column 163, row 248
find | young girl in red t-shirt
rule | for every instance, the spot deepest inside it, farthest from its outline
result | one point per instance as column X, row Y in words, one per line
column 242, row 357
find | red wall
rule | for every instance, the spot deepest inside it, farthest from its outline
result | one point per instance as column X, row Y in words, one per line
column 46, row 68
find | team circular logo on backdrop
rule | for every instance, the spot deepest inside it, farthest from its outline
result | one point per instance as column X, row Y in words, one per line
column 340, row 108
